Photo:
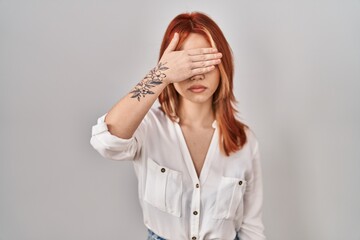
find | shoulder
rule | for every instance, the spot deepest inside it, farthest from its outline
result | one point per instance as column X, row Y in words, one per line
column 251, row 139
column 156, row 113
column 156, row 116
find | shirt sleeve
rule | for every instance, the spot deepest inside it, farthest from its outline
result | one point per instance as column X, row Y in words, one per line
column 112, row 147
column 252, row 227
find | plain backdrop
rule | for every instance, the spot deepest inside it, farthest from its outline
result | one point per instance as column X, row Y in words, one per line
column 65, row 63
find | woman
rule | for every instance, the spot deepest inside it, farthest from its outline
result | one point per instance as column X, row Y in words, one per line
column 198, row 167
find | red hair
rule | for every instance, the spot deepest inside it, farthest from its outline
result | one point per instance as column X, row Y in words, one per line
column 231, row 131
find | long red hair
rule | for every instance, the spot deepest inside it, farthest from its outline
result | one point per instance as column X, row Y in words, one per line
column 231, row 131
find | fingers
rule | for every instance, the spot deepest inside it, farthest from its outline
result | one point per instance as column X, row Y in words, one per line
column 173, row 43
column 205, row 57
column 203, row 60
column 199, row 51
column 203, row 70
column 202, row 64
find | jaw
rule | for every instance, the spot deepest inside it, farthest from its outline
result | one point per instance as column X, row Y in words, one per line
column 194, row 98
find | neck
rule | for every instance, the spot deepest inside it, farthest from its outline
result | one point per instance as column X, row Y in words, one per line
column 196, row 114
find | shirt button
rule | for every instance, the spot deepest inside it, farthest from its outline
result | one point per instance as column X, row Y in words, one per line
column 197, row 185
column 240, row 182
column 193, row 238
column 195, row 212
column 163, row 170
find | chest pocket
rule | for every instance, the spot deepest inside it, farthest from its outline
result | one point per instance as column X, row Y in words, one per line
column 229, row 197
column 163, row 188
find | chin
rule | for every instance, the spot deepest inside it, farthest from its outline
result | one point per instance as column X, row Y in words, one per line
column 197, row 99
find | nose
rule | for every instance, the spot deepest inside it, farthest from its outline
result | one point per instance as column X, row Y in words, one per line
column 197, row 77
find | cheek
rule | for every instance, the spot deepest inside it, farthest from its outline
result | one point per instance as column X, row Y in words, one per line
column 179, row 87
column 215, row 77
column 217, row 84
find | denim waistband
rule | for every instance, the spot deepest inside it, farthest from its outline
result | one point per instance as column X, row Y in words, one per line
column 153, row 236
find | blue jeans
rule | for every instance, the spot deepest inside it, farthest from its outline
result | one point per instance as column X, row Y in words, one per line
column 153, row 236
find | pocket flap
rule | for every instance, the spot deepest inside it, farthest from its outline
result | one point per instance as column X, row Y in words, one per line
column 229, row 196
column 163, row 188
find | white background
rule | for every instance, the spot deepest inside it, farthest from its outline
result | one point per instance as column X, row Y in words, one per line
column 65, row 63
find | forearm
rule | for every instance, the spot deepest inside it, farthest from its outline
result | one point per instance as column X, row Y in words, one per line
column 126, row 115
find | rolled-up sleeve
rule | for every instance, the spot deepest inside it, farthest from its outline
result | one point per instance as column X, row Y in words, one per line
column 112, row 147
column 252, row 227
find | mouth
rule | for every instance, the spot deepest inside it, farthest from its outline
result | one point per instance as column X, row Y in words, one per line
column 197, row 88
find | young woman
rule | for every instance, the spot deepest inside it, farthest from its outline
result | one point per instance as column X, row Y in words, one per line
column 198, row 167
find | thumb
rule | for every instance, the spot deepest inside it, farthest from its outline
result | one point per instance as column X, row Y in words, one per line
column 174, row 41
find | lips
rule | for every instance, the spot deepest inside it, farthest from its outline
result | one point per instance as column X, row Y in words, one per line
column 197, row 88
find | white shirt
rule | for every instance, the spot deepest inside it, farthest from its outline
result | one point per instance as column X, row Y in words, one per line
column 224, row 201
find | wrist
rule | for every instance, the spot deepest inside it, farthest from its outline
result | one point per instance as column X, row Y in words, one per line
column 160, row 70
column 166, row 81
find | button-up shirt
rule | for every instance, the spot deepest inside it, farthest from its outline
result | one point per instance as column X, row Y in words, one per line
column 225, row 201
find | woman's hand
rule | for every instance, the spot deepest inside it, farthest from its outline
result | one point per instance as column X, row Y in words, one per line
column 181, row 65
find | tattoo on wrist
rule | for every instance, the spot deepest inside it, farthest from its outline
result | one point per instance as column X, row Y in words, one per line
column 153, row 78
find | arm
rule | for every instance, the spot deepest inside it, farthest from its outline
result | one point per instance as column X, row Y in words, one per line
column 119, row 133
column 174, row 66
column 252, row 227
